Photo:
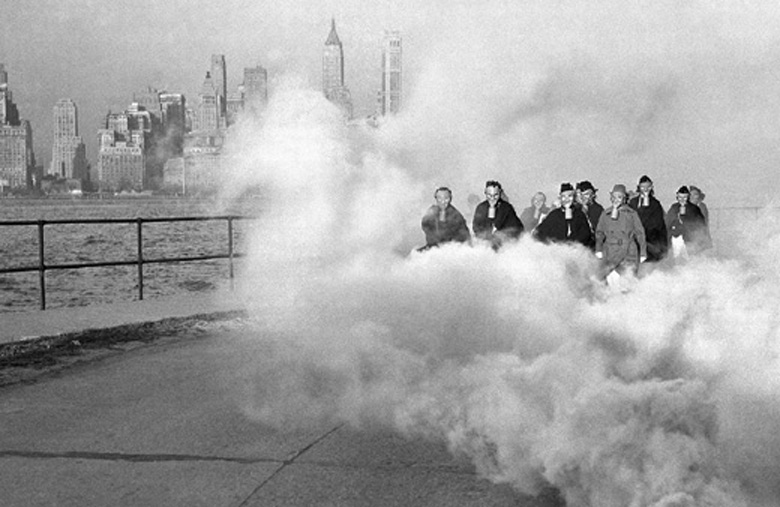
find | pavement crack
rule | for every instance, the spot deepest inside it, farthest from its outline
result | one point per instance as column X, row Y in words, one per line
column 132, row 457
column 288, row 462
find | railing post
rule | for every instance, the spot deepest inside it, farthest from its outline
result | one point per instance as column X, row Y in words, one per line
column 41, row 264
column 230, row 249
column 140, row 259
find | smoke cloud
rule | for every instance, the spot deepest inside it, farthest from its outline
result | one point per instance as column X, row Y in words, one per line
column 664, row 395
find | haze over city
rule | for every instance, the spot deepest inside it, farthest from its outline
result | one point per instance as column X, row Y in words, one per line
column 533, row 92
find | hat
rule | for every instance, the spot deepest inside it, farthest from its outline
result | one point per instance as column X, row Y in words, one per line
column 683, row 190
column 566, row 187
column 619, row 188
column 645, row 179
column 586, row 185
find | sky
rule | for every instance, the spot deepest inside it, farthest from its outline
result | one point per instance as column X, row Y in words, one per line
column 533, row 92
column 99, row 54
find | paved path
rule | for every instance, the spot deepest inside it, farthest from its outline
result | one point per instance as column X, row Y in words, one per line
column 160, row 424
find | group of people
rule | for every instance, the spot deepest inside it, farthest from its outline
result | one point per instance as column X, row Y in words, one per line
column 633, row 229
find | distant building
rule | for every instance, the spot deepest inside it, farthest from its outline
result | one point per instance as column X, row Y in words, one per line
column 219, row 77
column 68, row 153
column 255, row 85
column 202, row 162
column 149, row 100
column 122, row 150
column 207, row 116
column 17, row 160
column 16, row 155
column 166, row 112
column 333, row 73
column 390, row 93
column 235, row 105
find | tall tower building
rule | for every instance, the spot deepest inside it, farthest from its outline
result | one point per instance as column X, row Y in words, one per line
column 255, row 86
column 219, row 78
column 17, row 160
column 390, row 92
column 9, row 115
column 208, row 115
column 68, row 153
column 333, row 72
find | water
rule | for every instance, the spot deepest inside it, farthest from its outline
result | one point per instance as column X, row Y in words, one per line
column 84, row 243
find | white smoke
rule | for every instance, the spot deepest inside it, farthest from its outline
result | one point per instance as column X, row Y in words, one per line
column 666, row 395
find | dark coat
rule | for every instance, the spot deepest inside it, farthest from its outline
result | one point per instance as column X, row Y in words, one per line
column 653, row 221
column 555, row 227
column 453, row 228
column 506, row 224
column 593, row 214
column 691, row 226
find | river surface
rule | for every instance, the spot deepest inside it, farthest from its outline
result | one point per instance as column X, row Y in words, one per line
column 85, row 243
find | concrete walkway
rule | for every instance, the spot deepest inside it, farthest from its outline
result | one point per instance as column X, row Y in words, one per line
column 163, row 424
column 17, row 326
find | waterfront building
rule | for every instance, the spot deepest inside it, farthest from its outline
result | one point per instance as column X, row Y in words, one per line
column 149, row 100
column 390, row 93
column 255, row 87
column 219, row 77
column 235, row 104
column 166, row 111
column 16, row 155
column 207, row 117
column 17, row 161
column 122, row 150
column 173, row 176
column 9, row 114
column 202, row 162
column 68, row 154
column 333, row 72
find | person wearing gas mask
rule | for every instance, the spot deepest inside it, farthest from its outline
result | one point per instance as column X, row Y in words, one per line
column 495, row 219
column 443, row 223
column 686, row 226
column 652, row 216
column 535, row 213
column 566, row 223
column 586, row 199
column 620, row 236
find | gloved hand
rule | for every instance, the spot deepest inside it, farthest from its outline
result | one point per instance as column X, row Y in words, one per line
column 642, row 258
column 599, row 255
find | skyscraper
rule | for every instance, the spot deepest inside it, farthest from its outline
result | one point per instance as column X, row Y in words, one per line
column 219, row 78
column 333, row 72
column 255, row 86
column 123, row 150
column 17, row 160
column 390, row 93
column 208, row 114
column 68, row 153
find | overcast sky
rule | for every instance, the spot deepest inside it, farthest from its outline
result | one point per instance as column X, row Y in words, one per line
column 564, row 88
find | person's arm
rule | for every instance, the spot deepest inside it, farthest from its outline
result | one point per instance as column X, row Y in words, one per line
column 600, row 236
column 580, row 226
column 480, row 223
column 639, row 234
column 512, row 226
column 461, row 230
column 429, row 226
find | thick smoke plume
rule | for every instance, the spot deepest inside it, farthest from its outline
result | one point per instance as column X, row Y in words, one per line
column 665, row 395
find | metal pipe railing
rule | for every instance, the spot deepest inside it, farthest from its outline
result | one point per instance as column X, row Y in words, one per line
column 139, row 261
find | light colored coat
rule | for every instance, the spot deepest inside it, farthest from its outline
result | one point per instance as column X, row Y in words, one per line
column 621, row 240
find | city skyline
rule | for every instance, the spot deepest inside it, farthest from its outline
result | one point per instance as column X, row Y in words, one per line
column 533, row 93
column 37, row 89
